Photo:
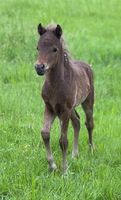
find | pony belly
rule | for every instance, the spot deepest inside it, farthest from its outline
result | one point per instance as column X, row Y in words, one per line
column 82, row 95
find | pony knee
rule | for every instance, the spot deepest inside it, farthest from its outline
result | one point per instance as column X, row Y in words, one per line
column 77, row 125
column 45, row 136
column 63, row 143
column 89, row 125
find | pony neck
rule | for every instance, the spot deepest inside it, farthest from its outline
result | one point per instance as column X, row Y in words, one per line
column 56, row 74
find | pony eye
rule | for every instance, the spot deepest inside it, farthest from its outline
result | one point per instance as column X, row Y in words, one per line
column 55, row 49
column 37, row 48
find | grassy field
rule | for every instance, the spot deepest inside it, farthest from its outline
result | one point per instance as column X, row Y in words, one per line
column 92, row 29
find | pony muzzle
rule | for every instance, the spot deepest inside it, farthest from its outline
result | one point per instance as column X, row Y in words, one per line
column 40, row 69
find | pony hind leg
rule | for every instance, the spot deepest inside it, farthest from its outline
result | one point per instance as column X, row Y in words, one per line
column 64, row 121
column 75, row 119
column 88, row 109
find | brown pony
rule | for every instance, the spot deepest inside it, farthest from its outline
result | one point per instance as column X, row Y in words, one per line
column 68, row 83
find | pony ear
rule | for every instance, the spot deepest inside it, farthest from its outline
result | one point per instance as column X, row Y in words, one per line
column 41, row 29
column 58, row 31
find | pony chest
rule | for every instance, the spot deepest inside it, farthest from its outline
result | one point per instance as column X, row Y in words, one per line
column 57, row 100
column 53, row 95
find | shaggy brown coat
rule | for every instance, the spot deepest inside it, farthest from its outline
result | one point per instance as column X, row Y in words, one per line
column 68, row 83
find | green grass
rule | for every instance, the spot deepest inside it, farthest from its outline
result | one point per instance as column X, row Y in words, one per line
column 93, row 33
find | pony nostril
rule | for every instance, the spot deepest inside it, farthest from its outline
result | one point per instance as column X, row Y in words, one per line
column 43, row 66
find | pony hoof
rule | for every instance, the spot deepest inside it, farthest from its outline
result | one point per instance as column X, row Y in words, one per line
column 75, row 154
column 65, row 168
column 53, row 167
column 65, row 171
column 91, row 148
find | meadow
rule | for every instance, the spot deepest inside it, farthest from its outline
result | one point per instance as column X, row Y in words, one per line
column 92, row 30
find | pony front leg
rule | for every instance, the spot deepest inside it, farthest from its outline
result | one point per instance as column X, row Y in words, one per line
column 76, row 126
column 64, row 121
column 45, row 132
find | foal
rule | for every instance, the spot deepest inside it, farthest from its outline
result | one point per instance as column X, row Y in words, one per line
column 68, row 83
